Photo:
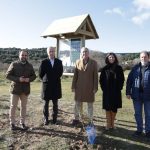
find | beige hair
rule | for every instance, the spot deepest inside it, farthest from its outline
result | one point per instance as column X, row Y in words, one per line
column 50, row 48
column 84, row 49
column 145, row 52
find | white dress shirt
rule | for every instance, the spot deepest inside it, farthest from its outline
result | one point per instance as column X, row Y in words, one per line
column 52, row 62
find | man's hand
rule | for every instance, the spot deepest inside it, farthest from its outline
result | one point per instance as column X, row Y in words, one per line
column 128, row 96
column 94, row 91
column 22, row 79
column 26, row 79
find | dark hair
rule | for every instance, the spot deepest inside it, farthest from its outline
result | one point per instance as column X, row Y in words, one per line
column 107, row 61
column 145, row 52
column 23, row 50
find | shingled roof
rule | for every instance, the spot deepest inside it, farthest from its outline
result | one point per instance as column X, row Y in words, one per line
column 72, row 27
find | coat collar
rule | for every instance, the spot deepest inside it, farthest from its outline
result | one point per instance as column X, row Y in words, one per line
column 85, row 67
column 147, row 66
column 48, row 60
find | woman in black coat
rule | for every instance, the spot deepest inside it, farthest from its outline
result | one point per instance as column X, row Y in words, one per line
column 111, row 82
column 50, row 73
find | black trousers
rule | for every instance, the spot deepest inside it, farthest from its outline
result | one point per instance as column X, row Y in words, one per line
column 46, row 109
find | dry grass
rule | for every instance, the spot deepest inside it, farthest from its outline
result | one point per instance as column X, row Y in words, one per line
column 64, row 136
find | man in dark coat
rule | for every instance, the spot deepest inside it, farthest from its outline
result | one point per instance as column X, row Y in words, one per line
column 50, row 72
column 138, row 89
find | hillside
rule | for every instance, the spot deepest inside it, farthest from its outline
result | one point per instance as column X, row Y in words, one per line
column 7, row 55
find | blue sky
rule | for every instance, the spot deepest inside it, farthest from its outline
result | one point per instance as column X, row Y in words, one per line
column 122, row 25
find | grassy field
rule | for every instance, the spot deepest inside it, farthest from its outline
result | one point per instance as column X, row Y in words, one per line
column 64, row 136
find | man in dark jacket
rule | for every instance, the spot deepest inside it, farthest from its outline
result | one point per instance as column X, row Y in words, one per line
column 138, row 89
column 21, row 73
column 50, row 72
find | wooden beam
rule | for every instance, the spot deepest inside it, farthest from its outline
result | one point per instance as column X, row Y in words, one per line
column 86, row 33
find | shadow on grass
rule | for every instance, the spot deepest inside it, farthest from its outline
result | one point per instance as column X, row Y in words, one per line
column 121, row 139
column 2, row 106
column 54, row 133
column 120, row 120
column 117, row 144
column 64, row 112
column 115, row 139
column 4, row 99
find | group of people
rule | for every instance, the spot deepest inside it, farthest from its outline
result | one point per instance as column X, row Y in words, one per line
column 84, row 86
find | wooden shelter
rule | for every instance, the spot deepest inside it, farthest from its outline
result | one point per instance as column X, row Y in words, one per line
column 77, row 27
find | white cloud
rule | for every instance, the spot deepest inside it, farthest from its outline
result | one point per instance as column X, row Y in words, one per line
column 142, row 4
column 114, row 11
column 140, row 12
column 140, row 19
column 108, row 11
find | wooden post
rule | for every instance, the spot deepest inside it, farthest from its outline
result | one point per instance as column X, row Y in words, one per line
column 83, row 41
column 57, row 48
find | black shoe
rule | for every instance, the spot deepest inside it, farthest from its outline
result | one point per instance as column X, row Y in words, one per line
column 147, row 134
column 13, row 127
column 54, row 121
column 137, row 133
column 75, row 122
column 23, row 126
column 46, row 122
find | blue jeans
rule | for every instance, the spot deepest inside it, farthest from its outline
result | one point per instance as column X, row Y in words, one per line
column 138, row 108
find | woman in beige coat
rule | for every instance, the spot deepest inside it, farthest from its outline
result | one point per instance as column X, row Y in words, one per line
column 84, row 84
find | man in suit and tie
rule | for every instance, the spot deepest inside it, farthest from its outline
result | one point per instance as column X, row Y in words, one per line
column 50, row 72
